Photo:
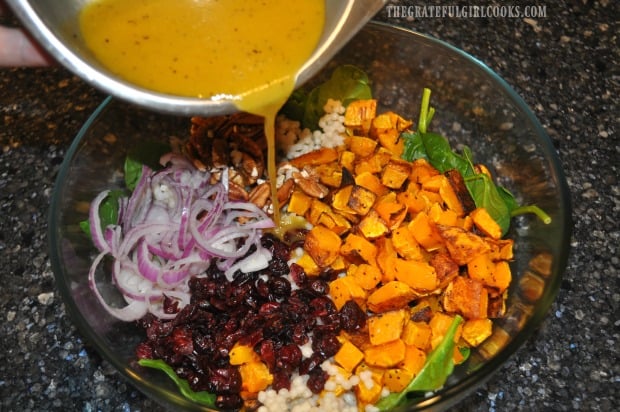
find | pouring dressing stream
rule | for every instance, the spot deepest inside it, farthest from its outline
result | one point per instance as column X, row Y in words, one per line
column 249, row 52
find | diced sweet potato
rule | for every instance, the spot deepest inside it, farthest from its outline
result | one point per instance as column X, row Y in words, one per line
column 308, row 264
column 347, row 159
column 387, row 326
column 392, row 295
column 422, row 170
column 322, row 245
column 348, row 356
column 390, row 139
column 460, row 190
column 368, row 395
column 386, row 355
column 445, row 267
column 443, row 217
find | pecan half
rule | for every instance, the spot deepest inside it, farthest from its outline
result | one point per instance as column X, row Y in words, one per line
column 260, row 194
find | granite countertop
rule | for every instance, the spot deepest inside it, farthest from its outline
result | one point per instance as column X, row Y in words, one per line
column 565, row 65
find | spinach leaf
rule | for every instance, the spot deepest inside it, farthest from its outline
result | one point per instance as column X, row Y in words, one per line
column 203, row 398
column 497, row 200
column 108, row 211
column 439, row 365
column 347, row 83
column 146, row 153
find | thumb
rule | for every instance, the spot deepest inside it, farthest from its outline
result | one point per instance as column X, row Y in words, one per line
column 17, row 49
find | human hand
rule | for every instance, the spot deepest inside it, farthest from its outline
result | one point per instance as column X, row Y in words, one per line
column 17, row 48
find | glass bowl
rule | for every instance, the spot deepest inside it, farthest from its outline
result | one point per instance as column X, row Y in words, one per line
column 474, row 107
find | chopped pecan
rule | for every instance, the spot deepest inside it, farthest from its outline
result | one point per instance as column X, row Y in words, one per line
column 285, row 191
column 260, row 194
column 237, row 193
column 310, row 185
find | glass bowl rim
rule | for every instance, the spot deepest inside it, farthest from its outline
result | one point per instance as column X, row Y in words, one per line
column 440, row 399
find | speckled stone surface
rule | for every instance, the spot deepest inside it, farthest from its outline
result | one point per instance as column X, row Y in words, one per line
column 565, row 66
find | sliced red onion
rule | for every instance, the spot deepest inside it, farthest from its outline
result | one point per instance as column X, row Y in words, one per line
column 173, row 226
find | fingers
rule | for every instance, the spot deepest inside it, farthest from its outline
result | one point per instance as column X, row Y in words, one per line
column 17, row 49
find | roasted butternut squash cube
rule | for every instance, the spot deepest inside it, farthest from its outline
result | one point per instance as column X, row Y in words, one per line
column 466, row 296
column 395, row 173
column 308, row 264
column 418, row 274
column 417, row 334
column 255, row 376
column 361, row 200
column 485, row 223
column 405, row 244
column 387, row 326
column 362, row 146
column 397, row 379
column 414, row 359
column 386, row 258
column 439, row 323
column 357, row 246
column 241, row 354
column 367, row 276
column 359, row 114
column 347, row 159
column 344, row 289
column 386, row 355
column 373, row 163
column 421, row 170
column 315, row 158
column 372, row 226
column 492, row 274
column 390, row 139
column 450, row 197
column 322, row 245
column 390, row 296
column 426, row 232
column 367, row 395
column 349, row 356
column 299, row 203
column 463, row 246
column 371, row 182
column 391, row 211
column 475, row 331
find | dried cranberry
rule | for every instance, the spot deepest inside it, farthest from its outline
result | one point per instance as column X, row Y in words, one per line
column 288, row 357
column 298, row 275
column 279, row 287
column 327, row 344
column 352, row 317
column 225, row 380
column 316, row 380
column 144, row 350
column 322, row 306
column 319, row 286
column 182, row 343
column 229, row 402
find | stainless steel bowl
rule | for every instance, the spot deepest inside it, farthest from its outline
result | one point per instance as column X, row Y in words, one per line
column 55, row 25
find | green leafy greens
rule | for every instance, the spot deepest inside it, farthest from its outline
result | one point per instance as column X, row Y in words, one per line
column 147, row 153
column 497, row 200
column 203, row 398
column 438, row 366
column 347, row 83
